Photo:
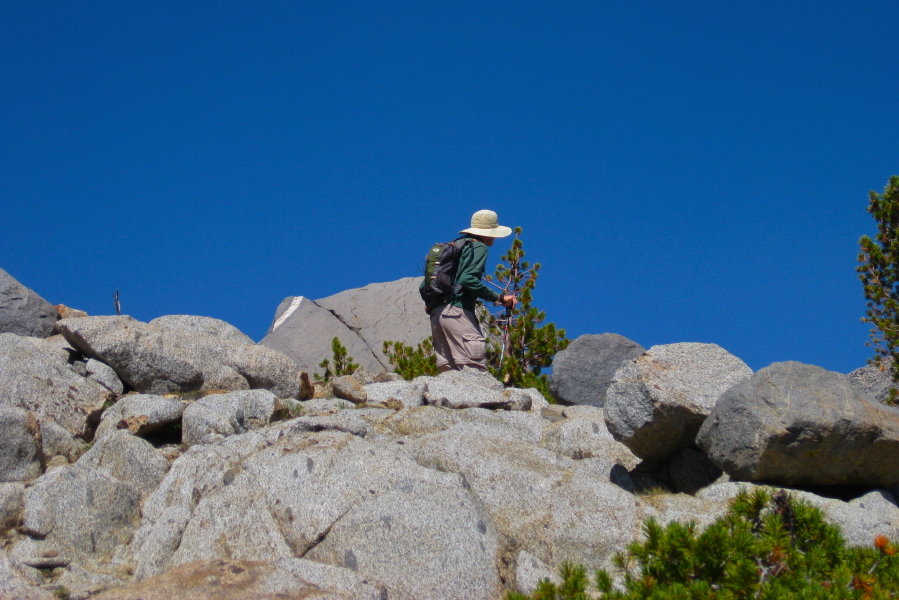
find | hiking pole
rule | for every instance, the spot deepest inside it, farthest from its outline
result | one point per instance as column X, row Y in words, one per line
column 502, row 353
column 513, row 281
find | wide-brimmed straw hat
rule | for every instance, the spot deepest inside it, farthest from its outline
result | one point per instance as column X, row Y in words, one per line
column 484, row 222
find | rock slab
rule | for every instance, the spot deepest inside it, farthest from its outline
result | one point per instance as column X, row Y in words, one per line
column 362, row 319
column 470, row 389
column 382, row 312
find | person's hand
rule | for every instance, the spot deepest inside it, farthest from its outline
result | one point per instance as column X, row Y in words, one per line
column 509, row 301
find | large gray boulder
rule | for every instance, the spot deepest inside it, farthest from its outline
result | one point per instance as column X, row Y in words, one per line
column 156, row 359
column 149, row 359
column 21, row 452
column 22, row 311
column 798, row 425
column 362, row 319
column 555, row 508
column 219, row 415
column 141, row 414
column 129, row 459
column 406, row 393
column 202, row 326
column 658, row 401
column 582, row 373
column 31, row 379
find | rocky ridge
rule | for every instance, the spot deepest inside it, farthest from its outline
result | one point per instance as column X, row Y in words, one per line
column 178, row 459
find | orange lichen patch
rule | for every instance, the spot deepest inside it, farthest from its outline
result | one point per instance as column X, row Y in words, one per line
column 66, row 312
column 881, row 541
column 133, row 424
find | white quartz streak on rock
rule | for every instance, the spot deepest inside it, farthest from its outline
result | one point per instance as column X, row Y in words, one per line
column 294, row 304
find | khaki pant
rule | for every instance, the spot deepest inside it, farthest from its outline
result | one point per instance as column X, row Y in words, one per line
column 458, row 341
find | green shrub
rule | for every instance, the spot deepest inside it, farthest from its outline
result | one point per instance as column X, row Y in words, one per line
column 411, row 362
column 766, row 547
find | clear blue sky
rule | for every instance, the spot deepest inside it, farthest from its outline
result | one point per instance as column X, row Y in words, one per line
column 684, row 171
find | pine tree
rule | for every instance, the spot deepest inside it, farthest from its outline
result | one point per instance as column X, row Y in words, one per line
column 518, row 347
column 879, row 273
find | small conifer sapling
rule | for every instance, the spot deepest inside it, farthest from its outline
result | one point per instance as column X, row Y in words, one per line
column 343, row 363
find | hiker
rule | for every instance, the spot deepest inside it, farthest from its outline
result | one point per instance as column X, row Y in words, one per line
column 458, row 340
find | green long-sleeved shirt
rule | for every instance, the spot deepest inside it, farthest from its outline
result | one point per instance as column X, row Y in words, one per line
column 470, row 275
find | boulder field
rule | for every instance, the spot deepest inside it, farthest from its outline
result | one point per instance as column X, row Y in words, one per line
column 178, row 459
